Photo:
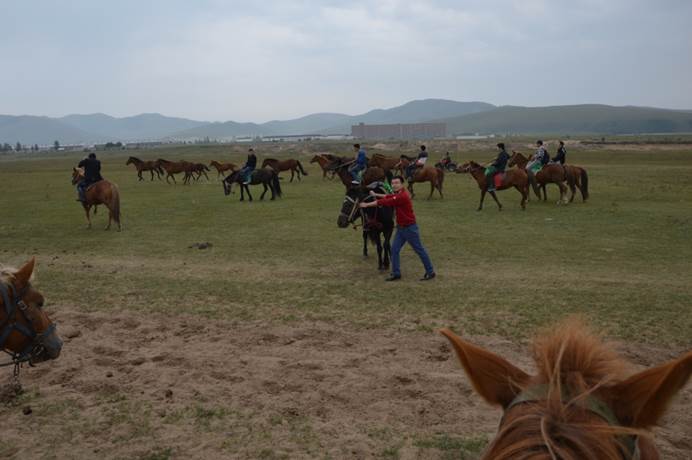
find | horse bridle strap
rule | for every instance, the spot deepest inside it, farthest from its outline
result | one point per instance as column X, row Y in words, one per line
column 592, row 404
column 12, row 300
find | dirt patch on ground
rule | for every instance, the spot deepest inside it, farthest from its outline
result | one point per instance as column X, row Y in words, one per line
column 155, row 387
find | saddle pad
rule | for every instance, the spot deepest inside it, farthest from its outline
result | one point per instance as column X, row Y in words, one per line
column 499, row 178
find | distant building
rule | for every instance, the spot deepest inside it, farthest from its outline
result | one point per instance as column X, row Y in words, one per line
column 401, row 131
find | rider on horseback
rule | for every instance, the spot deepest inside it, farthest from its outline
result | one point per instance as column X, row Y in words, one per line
column 539, row 159
column 359, row 164
column 250, row 165
column 561, row 155
column 92, row 174
column 496, row 167
column 419, row 163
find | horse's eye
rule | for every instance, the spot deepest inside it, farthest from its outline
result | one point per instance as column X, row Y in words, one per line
column 40, row 303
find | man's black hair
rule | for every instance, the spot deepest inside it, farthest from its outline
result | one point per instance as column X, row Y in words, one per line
column 251, row 150
column 356, row 146
column 422, row 147
column 501, row 145
column 92, row 155
column 401, row 178
column 562, row 143
column 539, row 142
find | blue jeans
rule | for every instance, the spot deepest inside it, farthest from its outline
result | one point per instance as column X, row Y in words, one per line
column 409, row 235
column 355, row 172
column 246, row 173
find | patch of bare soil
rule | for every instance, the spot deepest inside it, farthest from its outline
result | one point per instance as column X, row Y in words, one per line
column 150, row 386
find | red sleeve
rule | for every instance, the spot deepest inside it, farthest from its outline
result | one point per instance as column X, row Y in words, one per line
column 389, row 200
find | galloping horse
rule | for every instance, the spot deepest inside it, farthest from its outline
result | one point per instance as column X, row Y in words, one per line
column 376, row 222
column 552, row 173
column 223, row 167
column 386, row 162
column 285, row 165
column 101, row 192
column 430, row 174
column 324, row 162
column 340, row 166
column 580, row 405
column 141, row 166
column 26, row 332
column 174, row 167
column 516, row 178
column 268, row 177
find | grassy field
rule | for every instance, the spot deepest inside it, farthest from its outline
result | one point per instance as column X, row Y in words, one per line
column 281, row 341
column 622, row 259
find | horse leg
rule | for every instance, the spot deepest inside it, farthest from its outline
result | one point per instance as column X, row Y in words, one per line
column 249, row 195
column 365, row 243
column 139, row 174
column 87, row 210
column 378, row 244
column 563, row 192
column 410, row 189
column 387, row 248
column 432, row 189
column 494, row 195
column 523, row 197
column 264, row 192
column 480, row 205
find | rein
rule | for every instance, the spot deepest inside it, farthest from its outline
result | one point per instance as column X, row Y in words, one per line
column 595, row 405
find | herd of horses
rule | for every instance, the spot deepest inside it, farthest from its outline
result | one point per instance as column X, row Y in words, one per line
column 580, row 404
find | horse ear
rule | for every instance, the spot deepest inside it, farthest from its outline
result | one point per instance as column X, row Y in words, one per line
column 641, row 400
column 23, row 275
column 493, row 377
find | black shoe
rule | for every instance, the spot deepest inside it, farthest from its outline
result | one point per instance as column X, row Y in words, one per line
column 393, row 278
column 428, row 276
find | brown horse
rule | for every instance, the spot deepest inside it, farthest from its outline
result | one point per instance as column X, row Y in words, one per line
column 26, row 332
column 551, row 173
column 101, row 192
column 223, row 167
column 516, row 178
column 172, row 168
column 199, row 168
column 435, row 176
column 581, row 404
column 323, row 162
column 340, row 166
column 386, row 162
column 142, row 166
column 285, row 165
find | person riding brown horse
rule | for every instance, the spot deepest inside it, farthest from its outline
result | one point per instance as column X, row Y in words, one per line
column 340, row 166
column 516, row 178
column 101, row 192
column 142, row 166
column 26, row 332
column 430, row 174
column 548, row 174
column 285, row 165
column 581, row 403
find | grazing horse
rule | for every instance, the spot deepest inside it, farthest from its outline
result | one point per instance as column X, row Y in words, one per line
column 141, row 166
column 268, row 177
column 581, row 404
column 386, row 162
column 324, row 162
column 285, row 165
column 26, row 332
column 551, row 173
column 340, row 166
column 434, row 175
column 516, row 178
column 376, row 222
column 174, row 167
column 101, row 192
column 223, row 167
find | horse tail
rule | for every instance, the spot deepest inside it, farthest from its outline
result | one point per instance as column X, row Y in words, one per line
column 440, row 178
column 276, row 183
column 585, row 183
column 116, row 203
column 300, row 166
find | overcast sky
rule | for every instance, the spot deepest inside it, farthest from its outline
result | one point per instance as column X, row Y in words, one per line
column 255, row 61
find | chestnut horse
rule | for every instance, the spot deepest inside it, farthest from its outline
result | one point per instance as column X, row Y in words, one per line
column 26, row 332
column 386, row 162
column 141, row 166
column 551, row 173
column 340, row 166
column 581, row 404
column 323, row 161
column 199, row 168
column 174, row 167
column 430, row 174
column 516, row 178
column 101, row 192
column 223, row 167
column 285, row 165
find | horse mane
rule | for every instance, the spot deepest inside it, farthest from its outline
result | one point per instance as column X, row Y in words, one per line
column 573, row 363
column 267, row 160
column 406, row 157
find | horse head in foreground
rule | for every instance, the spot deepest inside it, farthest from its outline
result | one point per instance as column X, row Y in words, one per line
column 580, row 405
column 26, row 332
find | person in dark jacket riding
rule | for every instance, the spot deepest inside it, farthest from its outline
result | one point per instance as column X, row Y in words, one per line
column 561, row 154
column 419, row 163
column 250, row 165
column 496, row 167
column 92, row 174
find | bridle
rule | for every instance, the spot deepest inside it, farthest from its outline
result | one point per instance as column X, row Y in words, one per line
column 12, row 300
column 351, row 216
column 593, row 404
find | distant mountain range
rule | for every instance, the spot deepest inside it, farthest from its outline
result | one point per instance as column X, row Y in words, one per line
column 460, row 117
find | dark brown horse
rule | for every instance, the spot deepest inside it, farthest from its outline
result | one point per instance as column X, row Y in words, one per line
column 267, row 177
column 101, row 192
column 174, row 167
column 285, row 165
column 323, row 162
column 435, row 176
column 223, row 167
column 142, row 166
column 199, row 168
column 26, row 332
column 516, row 178
column 386, row 162
column 581, row 403
column 551, row 173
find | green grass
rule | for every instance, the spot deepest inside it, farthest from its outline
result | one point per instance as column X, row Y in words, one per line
column 622, row 259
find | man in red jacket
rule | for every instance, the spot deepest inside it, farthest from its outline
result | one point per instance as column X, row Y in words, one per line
column 407, row 229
